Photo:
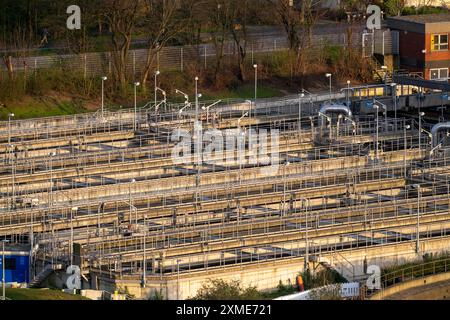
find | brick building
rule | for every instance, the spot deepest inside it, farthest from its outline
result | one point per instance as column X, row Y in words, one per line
column 424, row 44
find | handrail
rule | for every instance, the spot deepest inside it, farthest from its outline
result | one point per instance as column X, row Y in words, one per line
column 419, row 271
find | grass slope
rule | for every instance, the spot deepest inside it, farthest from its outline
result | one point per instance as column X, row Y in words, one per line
column 40, row 294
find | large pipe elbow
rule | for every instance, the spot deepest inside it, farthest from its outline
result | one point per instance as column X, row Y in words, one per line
column 336, row 108
column 435, row 131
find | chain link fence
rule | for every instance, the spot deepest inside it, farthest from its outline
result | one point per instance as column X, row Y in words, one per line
column 175, row 58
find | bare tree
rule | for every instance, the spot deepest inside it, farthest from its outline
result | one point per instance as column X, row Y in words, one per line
column 238, row 29
column 298, row 25
column 218, row 23
column 121, row 16
column 164, row 20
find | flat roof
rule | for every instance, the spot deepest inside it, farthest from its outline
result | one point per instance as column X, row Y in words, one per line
column 425, row 18
column 424, row 23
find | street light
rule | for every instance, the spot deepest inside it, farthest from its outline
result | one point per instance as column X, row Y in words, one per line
column 208, row 107
column 186, row 97
column 284, row 187
column 164, row 99
column 72, row 211
column 305, row 204
column 394, row 95
column 144, row 273
column 13, row 171
column 328, row 75
column 178, row 278
column 407, row 127
column 10, row 115
column 348, row 93
column 157, row 73
column 255, row 66
column 103, row 93
column 136, row 84
column 240, row 119
column 417, row 186
column 384, row 68
column 3, row 269
column 52, row 154
column 300, row 98
column 376, row 107
column 421, row 114
column 132, row 181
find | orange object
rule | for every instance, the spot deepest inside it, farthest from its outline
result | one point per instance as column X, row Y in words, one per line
column 300, row 284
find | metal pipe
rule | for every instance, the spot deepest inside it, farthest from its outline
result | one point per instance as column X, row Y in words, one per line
column 435, row 131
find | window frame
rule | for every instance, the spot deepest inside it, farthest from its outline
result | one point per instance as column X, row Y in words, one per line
column 438, row 70
column 437, row 46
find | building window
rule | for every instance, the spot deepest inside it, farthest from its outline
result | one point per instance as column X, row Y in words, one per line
column 439, row 74
column 439, row 42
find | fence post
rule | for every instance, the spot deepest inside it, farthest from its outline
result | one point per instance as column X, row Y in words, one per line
column 182, row 59
column 109, row 62
column 253, row 53
column 85, row 66
column 134, row 65
column 204, row 51
column 157, row 59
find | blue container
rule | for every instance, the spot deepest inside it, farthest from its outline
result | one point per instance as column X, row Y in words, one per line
column 16, row 268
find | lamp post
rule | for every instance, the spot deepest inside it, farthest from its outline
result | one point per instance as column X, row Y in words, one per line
column 178, row 279
column 52, row 154
column 305, row 203
column 196, row 100
column 385, row 117
column 328, row 75
column 417, row 186
column 164, row 100
column 103, row 93
column 394, row 95
column 407, row 127
column 136, row 84
column 384, row 68
column 208, row 107
column 157, row 73
column 144, row 271
column 255, row 66
column 300, row 98
column 72, row 211
column 376, row 107
column 3, row 269
column 284, row 187
column 239, row 134
column 10, row 115
column 421, row 114
column 132, row 181
column 348, row 93
column 13, row 173
column 197, row 130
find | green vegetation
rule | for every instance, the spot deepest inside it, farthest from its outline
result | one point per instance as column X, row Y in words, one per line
column 429, row 264
column 282, row 290
column 218, row 289
column 322, row 278
column 40, row 294
column 42, row 107
column 423, row 10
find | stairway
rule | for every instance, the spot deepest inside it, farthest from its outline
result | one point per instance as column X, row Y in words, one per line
column 44, row 274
